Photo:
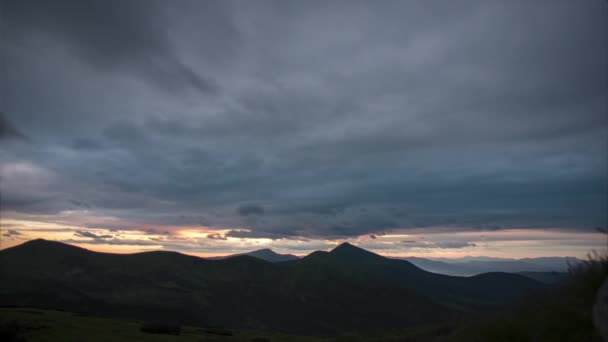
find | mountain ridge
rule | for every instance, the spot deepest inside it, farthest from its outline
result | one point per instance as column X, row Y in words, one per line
column 345, row 289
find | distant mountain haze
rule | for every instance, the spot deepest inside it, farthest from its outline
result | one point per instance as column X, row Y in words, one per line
column 346, row 289
column 469, row 266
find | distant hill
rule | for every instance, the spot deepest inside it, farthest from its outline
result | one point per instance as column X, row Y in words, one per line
column 272, row 256
column 564, row 313
column 347, row 289
column 546, row 277
column 469, row 266
column 264, row 254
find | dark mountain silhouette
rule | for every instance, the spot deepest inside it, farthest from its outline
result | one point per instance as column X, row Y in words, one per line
column 346, row 289
column 264, row 254
column 272, row 256
column 546, row 277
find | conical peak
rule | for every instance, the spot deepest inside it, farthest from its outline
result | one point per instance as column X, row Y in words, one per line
column 347, row 248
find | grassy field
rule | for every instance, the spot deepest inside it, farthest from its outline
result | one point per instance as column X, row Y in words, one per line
column 49, row 325
column 32, row 324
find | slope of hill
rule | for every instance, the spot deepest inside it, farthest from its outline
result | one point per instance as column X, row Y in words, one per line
column 561, row 314
column 343, row 290
column 546, row 277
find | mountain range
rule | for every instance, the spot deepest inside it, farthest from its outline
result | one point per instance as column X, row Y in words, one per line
column 469, row 266
column 346, row 289
column 549, row 270
column 551, row 267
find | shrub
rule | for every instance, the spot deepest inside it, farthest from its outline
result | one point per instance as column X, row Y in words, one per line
column 161, row 328
column 560, row 314
column 260, row 339
column 218, row 331
column 590, row 273
column 10, row 331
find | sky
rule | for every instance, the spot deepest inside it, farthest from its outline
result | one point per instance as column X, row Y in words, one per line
column 428, row 128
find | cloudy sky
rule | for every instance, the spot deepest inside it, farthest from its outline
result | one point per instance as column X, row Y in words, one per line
column 212, row 127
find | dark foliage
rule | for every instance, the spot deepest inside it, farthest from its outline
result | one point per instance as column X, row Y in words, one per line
column 561, row 314
column 10, row 331
column 218, row 331
column 161, row 328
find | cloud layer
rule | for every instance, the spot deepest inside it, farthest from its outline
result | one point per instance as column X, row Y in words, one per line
column 304, row 120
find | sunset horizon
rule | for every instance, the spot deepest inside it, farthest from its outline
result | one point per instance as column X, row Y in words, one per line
column 508, row 243
column 348, row 170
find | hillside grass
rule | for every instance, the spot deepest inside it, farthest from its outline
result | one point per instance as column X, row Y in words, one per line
column 37, row 325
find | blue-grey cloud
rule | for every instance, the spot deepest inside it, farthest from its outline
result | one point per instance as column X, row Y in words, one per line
column 417, row 115
column 248, row 210
column 8, row 131
column 128, row 36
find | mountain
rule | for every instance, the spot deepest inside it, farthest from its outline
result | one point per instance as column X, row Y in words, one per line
column 264, row 254
column 347, row 289
column 271, row 256
column 439, row 266
column 469, row 266
column 546, row 277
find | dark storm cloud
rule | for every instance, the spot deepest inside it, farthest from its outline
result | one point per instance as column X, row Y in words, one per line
column 335, row 119
column 127, row 36
column 263, row 234
column 86, row 144
column 252, row 209
column 8, row 131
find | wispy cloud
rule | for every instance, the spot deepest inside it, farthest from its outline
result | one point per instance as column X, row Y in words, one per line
column 87, row 234
column 11, row 233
